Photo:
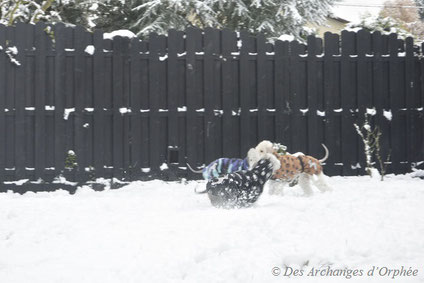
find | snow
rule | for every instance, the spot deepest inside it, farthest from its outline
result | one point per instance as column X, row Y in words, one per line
column 124, row 110
column 90, row 49
column 67, row 112
column 121, row 33
column 162, row 232
column 388, row 114
column 321, row 113
column 12, row 52
column 304, row 111
column 371, row 111
column 286, row 37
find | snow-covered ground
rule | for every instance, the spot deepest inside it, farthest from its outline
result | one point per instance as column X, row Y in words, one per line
column 163, row 232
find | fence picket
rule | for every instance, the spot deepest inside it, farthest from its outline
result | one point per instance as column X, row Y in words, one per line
column 3, row 145
column 395, row 104
column 230, row 127
column 212, row 97
column 282, row 91
column 40, row 91
column 175, row 47
column 314, row 123
column 332, row 102
column 20, row 113
column 193, row 41
column 411, row 129
column 364, row 88
column 99, row 105
column 297, row 98
column 349, row 143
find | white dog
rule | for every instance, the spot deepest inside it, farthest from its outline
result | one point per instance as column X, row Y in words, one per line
column 297, row 166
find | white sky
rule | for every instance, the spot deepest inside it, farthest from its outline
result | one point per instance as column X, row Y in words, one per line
column 352, row 10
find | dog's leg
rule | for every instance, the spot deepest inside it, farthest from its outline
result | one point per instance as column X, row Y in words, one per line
column 275, row 187
column 305, row 184
column 321, row 183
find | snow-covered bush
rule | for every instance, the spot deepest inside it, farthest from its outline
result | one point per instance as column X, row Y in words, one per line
column 385, row 25
column 371, row 138
column 31, row 11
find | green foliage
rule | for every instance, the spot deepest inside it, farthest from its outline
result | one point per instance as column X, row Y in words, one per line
column 71, row 160
column 114, row 15
column 272, row 18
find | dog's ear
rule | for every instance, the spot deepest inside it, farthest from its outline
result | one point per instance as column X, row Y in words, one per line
column 274, row 161
column 252, row 157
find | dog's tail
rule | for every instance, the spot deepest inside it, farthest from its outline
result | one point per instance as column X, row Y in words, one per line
column 326, row 154
column 192, row 170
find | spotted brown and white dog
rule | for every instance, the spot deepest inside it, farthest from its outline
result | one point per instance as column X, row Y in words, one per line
column 242, row 188
column 305, row 168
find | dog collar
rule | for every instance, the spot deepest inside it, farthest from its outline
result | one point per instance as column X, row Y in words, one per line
column 301, row 164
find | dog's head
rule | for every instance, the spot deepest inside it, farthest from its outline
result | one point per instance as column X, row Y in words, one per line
column 264, row 147
column 254, row 155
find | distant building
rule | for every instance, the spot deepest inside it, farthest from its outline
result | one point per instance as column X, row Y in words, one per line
column 332, row 24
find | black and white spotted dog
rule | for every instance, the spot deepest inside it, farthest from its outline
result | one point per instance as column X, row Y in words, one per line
column 242, row 188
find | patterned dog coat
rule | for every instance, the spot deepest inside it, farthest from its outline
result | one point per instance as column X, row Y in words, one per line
column 239, row 189
column 292, row 166
column 222, row 166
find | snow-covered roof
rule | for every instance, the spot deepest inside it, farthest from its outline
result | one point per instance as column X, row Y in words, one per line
column 353, row 10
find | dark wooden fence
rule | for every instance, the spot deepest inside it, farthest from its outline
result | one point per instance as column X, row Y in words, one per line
column 136, row 109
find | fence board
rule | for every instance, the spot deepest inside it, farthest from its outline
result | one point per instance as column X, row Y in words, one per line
column 126, row 169
column 331, row 95
column 40, row 91
column 395, row 103
column 175, row 47
column 348, row 104
column 411, row 129
column 192, row 126
column 20, row 137
column 246, row 73
column 297, row 99
column 119, row 108
column 230, row 127
column 81, row 147
column 99, row 105
column 212, row 98
column 154, row 88
column 380, row 93
column 363, row 86
column 135, row 102
column 59, row 99
column 282, row 93
column 262, row 89
column 314, row 139
column 3, row 148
